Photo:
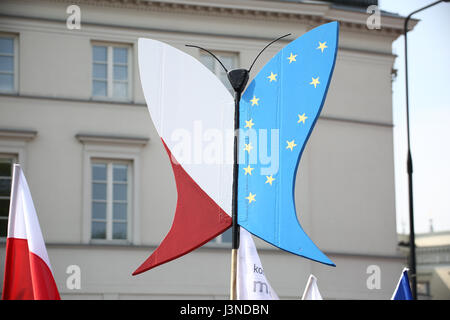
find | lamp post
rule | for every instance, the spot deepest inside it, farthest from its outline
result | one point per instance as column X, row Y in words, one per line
column 409, row 165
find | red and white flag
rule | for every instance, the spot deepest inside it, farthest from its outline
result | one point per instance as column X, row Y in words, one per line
column 28, row 274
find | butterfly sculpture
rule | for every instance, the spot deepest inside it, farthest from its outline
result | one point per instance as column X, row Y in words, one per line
column 278, row 111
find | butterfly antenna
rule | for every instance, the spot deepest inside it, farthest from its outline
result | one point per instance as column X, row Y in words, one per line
column 212, row 54
column 266, row 48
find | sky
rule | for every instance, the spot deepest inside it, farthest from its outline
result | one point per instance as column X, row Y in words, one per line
column 429, row 105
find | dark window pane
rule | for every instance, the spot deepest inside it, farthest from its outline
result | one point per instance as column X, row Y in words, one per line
column 120, row 211
column 4, row 207
column 119, row 230
column 5, row 168
column 120, row 55
column 120, row 73
column 211, row 64
column 99, row 88
column 207, row 61
column 99, row 210
column 227, row 61
column 7, row 45
column 6, row 63
column 120, row 89
column 120, row 172
column 5, row 187
column 120, row 191
column 99, row 172
column 3, row 228
column 99, row 53
column 98, row 230
column 6, row 82
column 99, row 71
column 226, row 236
column 99, row 191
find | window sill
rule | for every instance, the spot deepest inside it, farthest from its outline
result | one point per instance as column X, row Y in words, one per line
column 110, row 242
column 111, row 100
column 213, row 245
column 69, row 99
column 9, row 92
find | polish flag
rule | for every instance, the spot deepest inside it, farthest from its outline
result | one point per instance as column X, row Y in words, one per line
column 28, row 274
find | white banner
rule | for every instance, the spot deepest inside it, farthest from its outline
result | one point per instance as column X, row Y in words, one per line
column 251, row 281
column 312, row 290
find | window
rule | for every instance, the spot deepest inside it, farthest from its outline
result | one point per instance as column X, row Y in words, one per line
column 423, row 289
column 223, row 238
column 110, row 199
column 111, row 72
column 111, row 180
column 7, row 63
column 228, row 59
column 6, row 166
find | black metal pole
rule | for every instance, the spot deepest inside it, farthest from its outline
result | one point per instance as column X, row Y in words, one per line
column 234, row 207
column 409, row 165
column 235, row 228
column 238, row 79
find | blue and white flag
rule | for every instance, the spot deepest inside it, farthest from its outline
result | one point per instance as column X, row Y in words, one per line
column 278, row 112
column 403, row 289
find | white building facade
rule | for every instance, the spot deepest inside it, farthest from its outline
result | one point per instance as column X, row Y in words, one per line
column 72, row 112
column 433, row 263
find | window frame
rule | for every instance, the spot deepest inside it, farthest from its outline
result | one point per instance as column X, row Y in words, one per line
column 111, row 148
column 14, row 157
column 423, row 288
column 218, row 242
column 110, row 199
column 218, row 69
column 15, row 56
column 14, row 142
column 110, row 71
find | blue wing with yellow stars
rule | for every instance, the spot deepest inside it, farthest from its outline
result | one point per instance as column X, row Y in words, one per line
column 278, row 112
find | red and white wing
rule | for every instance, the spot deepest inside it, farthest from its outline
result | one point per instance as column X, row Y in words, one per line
column 193, row 114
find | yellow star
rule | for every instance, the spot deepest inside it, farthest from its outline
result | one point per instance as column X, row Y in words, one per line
column 249, row 124
column 248, row 147
column 272, row 77
column 291, row 145
column 302, row 118
column 269, row 179
column 322, row 45
column 254, row 101
column 315, row 82
column 292, row 58
column 251, row 197
column 248, row 170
